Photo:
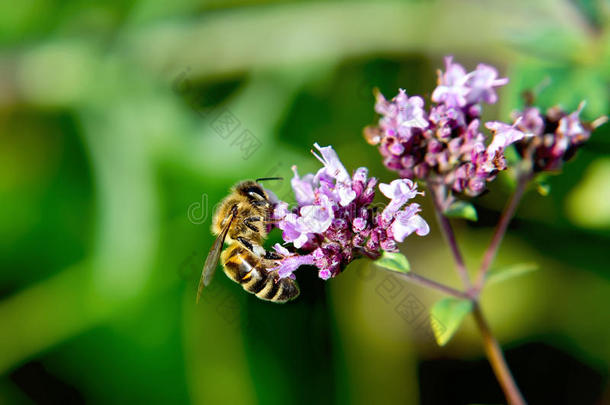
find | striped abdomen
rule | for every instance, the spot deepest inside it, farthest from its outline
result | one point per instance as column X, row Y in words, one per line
column 249, row 270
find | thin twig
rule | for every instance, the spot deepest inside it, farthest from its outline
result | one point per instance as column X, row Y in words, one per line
column 447, row 231
column 426, row 282
column 500, row 230
column 497, row 361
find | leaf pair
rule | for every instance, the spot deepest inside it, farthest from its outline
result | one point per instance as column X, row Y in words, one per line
column 447, row 314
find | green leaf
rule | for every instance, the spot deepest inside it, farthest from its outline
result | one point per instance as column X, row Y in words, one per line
column 543, row 188
column 503, row 273
column 542, row 184
column 446, row 316
column 462, row 209
column 394, row 261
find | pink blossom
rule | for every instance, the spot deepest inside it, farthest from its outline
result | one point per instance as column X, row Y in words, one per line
column 452, row 88
column 408, row 221
column 334, row 221
column 399, row 191
column 401, row 115
column 481, row 84
column 504, row 135
column 303, row 187
column 290, row 262
column 332, row 165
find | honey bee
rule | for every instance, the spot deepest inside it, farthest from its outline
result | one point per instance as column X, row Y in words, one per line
column 241, row 219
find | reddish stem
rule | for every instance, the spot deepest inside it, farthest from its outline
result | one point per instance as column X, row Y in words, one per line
column 426, row 282
column 492, row 348
column 447, row 232
column 500, row 230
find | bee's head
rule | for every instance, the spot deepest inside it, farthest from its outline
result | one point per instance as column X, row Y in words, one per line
column 251, row 190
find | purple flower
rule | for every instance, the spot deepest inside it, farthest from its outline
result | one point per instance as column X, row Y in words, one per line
column 401, row 115
column 408, row 221
column 452, row 88
column 280, row 210
column 570, row 125
column 346, row 194
column 450, row 153
column 334, row 169
column 290, row 262
column 325, row 274
column 303, row 187
column 317, row 218
column 481, row 85
column 458, row 89
column 334, row 222
column 529, row 120
column 410, row 111
column 449, row 150
column 399, row 191
column 332, row 165
column 504, row 135
column 292, row 230
column 555, row 136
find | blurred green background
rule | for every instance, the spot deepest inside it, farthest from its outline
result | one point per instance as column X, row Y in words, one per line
column 122, row 124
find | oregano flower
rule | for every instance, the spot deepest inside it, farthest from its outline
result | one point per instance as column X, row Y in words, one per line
column 335, row 221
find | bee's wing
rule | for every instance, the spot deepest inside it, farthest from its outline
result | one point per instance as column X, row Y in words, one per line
column 212, row 260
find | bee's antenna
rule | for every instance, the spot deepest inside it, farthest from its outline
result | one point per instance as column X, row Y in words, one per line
column 268, row 178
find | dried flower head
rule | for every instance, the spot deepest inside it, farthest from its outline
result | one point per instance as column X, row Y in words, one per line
column 335, row 222
column 556, row 135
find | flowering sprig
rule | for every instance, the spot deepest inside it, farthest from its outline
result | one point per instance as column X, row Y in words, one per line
column 445, row 146
column 335, row 221
column 557, row 135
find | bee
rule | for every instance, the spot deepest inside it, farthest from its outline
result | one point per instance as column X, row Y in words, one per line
column 241, row 220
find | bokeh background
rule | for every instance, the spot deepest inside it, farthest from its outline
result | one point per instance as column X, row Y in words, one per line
column 122, row 124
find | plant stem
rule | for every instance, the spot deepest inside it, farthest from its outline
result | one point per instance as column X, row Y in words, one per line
column 447, row 231
column 496, row 359
column 426, row 282
column 492, row 348
column 500, row 230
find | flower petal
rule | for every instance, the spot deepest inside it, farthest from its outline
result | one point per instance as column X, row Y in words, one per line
column 406, row 222
column 289, row 264
column 315, row 218
column 281, row 249
column 332, row 164
column 346, row 194
column 302, row 187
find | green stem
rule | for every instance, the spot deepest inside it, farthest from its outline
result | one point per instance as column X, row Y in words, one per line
column 490, row 344
column 497, row 360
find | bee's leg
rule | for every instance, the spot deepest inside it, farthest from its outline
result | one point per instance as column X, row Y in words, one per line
column 248, row 222
column 272, row 255
column 260, row 203
column 254, row 248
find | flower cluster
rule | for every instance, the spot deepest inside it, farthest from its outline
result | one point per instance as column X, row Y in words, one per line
column 444, row 145
column 556, row 135
column 336, row 222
